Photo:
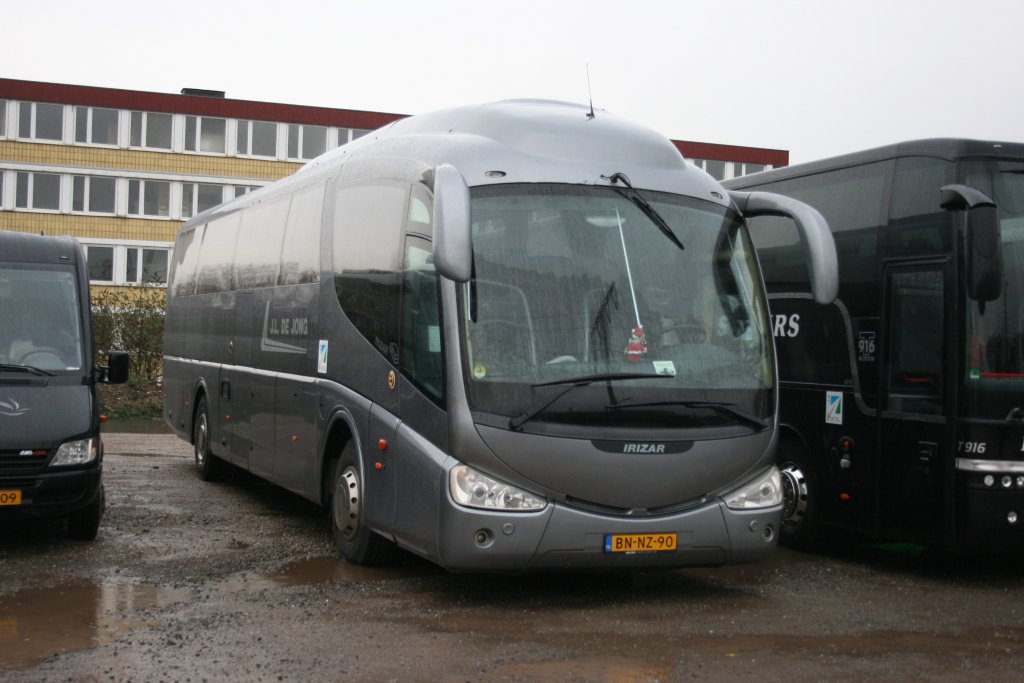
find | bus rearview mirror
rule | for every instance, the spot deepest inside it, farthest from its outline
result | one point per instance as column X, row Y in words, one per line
column 818, row 244
column 117, row 367
column 453, row 240
column 983, row 259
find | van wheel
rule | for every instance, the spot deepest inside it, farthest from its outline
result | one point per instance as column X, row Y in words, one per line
column 356, row 542
column 799, row 497
column 84, row 525
column 208, row 466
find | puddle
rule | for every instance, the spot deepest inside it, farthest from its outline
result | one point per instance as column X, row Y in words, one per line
column 39, row 622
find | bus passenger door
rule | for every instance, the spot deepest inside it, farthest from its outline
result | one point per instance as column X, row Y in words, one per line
column 236, row 383
column 916, row 445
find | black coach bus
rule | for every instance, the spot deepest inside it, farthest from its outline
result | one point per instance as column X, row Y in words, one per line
column 511, row 336
column 902, row 403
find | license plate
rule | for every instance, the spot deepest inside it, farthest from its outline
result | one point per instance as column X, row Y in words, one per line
column 640, row 543
column 10, row 497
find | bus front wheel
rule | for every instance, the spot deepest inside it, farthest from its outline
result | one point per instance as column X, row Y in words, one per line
column 356, row 542
column 799, row 492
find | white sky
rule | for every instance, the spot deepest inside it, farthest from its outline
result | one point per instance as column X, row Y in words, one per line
column 816, row 77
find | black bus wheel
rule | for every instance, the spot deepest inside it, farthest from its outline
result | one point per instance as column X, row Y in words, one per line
column 799, row 502
column 85, row 524
column 208, row 466
column 356, row 542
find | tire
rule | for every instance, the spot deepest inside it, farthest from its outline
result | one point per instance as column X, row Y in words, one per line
column 208, row 466
column 356, row 542
column 85, row 524
column 800, row 492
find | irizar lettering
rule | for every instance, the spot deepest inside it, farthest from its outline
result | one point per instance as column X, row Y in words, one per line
column 643, row 448
column 786, row 325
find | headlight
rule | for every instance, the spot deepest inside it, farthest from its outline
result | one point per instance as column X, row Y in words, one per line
column 476, row 490
column 762, row 492
column 79, row 452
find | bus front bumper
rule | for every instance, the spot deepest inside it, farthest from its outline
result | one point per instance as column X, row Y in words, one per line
column 565, row 538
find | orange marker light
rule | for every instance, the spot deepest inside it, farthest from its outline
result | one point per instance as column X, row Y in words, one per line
column 845, row 497
column 378, row 466
column 382, row 444
column 103, row 418
column 294, row 438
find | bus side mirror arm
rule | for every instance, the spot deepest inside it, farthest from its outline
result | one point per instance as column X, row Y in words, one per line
column 453, row 238
column 819, row 246
column 983, row 257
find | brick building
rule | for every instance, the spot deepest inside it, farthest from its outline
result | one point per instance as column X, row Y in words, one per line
column 121, row 169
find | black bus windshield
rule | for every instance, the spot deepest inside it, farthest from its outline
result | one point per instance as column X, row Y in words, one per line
column 40, row 324
column 573, row 281
column 995, row 329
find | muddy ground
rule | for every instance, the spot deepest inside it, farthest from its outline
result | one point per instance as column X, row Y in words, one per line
column 190, row 581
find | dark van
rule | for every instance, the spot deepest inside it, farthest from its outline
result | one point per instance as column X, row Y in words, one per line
column 51, row 455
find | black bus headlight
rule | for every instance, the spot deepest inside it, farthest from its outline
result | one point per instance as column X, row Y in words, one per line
column 80, row 452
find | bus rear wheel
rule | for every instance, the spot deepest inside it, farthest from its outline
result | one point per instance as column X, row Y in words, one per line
column 356, row 542
column 208, row 466
column 799, row 505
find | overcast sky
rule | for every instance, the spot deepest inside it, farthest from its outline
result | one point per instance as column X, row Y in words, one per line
column 815, row 77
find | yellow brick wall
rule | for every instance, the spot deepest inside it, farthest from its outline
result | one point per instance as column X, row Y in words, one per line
column 160, row 162
column 98, row 227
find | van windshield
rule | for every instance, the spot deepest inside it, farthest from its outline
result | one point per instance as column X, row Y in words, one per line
column 40, row 323
column 659, row 298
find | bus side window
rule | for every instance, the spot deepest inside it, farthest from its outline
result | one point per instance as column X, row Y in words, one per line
column 916, row 342
column 421, row 357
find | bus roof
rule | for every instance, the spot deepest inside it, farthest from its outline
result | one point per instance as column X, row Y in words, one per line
column 534, row 141
column 943, row 148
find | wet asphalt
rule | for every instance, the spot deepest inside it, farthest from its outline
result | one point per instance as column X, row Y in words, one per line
column 190, row 581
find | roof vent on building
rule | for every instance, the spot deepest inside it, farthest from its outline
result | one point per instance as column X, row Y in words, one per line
column 199, row 92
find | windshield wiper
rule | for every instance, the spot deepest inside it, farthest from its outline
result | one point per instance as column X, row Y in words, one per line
column 644, row 207
column 25, row 368
column 573, row 383
column 717, row 406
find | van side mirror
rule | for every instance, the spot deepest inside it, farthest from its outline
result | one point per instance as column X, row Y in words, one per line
column 453, row 239
column 983, row 258
column 117, row 368
column 819, row 246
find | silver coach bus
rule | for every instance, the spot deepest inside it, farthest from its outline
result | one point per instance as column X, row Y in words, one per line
column 505, row 337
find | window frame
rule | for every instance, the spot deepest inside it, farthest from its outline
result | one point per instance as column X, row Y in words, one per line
column 87, row 181
column 90, row 123
column 30, row 191
column 33, row 123
column 141, row 198
column 144, row 141
column 194, row 135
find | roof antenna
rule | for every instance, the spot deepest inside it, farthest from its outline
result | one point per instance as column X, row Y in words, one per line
column 590, row 93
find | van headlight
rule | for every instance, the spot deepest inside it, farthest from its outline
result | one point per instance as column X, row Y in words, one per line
column 761, row 492
column 477, row 490
column 80, row 452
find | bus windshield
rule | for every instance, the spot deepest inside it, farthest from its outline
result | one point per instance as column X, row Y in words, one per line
column 612, row 307
column 995, row 329
column 41, row 330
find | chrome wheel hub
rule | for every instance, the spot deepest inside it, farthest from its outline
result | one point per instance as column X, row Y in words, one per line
column 794, row 495
column 346, row 502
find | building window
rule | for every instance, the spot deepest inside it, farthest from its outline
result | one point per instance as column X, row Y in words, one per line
column 3, row 118
column 145, row 267
column 39, row 121
column 257, row 138
column 239, row 190
column 752, row 168
column 93, row 194
column 205, row 134
column 38, row 191
column 198, row 197
column 151, row 130
column 715, row 168
column 96, row 126
column 149, row 198
column 101, row 263
column 306, row 142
